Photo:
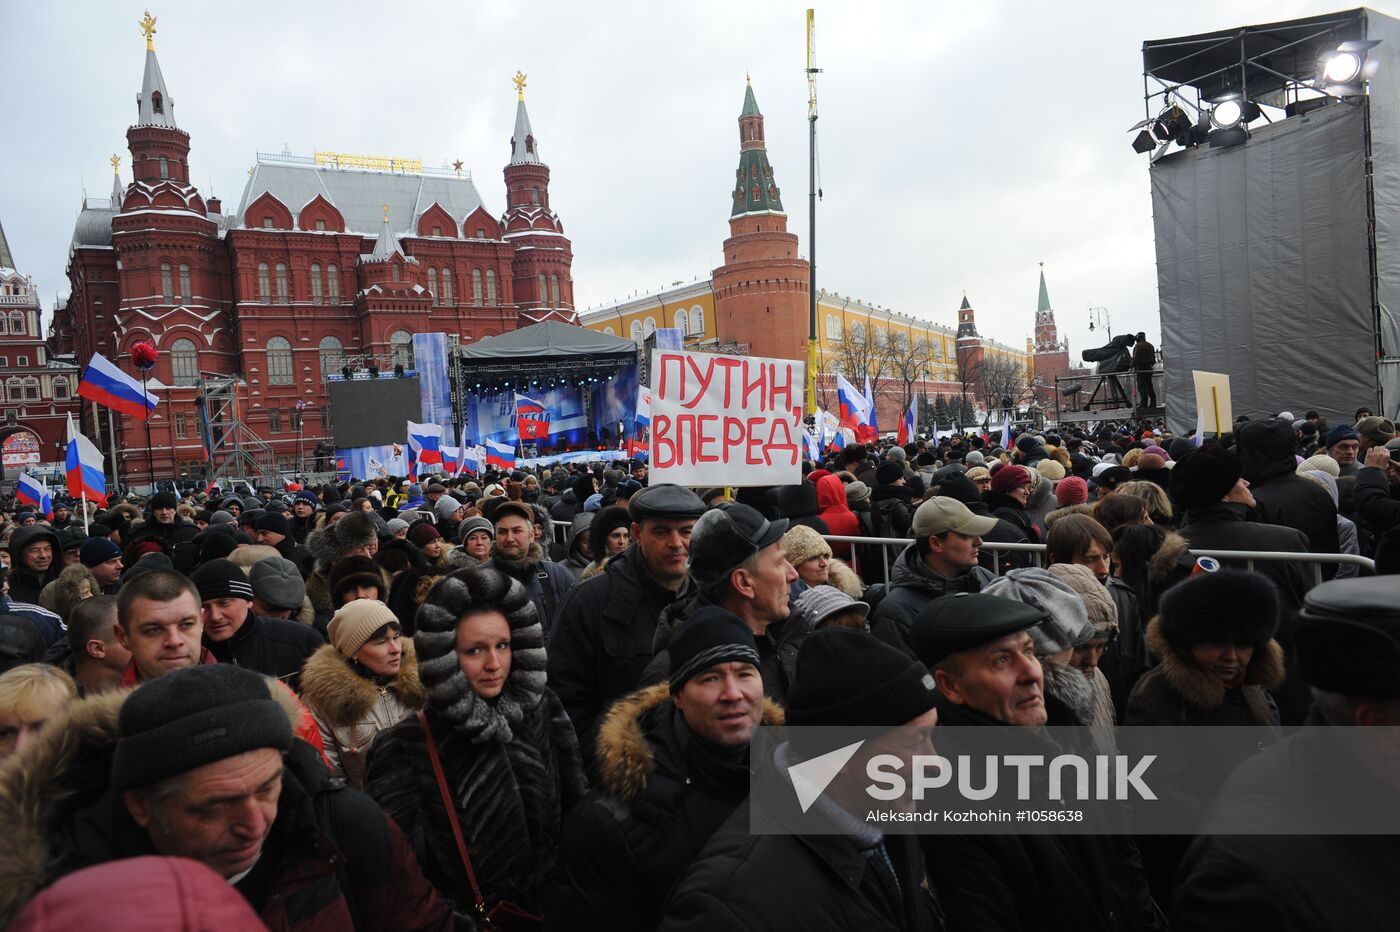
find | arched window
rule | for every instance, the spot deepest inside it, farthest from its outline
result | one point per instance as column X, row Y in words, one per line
column 184, row 362
column 682, row 322
column 554, row 290
column 534, row 195
column 648, row 326
column 857, row 331
column 333, row 282
column 316, row 284
column 491, row 287
column 264, row 284
column 476, row 287
column 60, row 388
column 446, row 286
column 17, row 322
column 432, row 283
column 697, row 319
column 637, row 331
column 544, row 290
column 14, row 388
column 185, row 283
column 157, row 102
column 279, row 362
column 332, row 355
column 396, row 273
column 31, row 389
column 167, row 284
column 401, row 343
column 164, row 167
column 281, row 283
column 4, row 324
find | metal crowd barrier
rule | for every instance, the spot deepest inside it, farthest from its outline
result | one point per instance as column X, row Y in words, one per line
column 1314, row 561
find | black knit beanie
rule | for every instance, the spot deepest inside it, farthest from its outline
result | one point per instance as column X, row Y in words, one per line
column 221, row 579
column 275, row 523
column 711, row 636
column 192, row 717
column 846, row 677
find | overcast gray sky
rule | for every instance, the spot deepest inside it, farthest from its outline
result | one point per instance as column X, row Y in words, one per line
column 960, row 144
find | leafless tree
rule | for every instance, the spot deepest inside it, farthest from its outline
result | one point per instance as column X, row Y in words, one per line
column 1001, row 377
column 909, row 361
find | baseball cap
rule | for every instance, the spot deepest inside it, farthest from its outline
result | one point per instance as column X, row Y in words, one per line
column 940, row 514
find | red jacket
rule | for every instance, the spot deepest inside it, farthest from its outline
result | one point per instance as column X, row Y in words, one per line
column 831, row 500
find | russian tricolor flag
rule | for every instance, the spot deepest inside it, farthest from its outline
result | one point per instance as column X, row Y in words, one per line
column 83, row 462
column 856, row 410
column 531, row 418
column 908, row 426
column 643, row 417
column 105, row 384
column 425, row 441
column 35, row 494
column 874, row 418
column 500, row 455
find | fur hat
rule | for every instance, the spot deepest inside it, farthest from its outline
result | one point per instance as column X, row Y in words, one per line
column 1103, row 613
column 353, row 572
column 449, row 692
column 335, row 541
column 1378, row 430
column 1204, row 477
column 803, row 543
column 1231, row 606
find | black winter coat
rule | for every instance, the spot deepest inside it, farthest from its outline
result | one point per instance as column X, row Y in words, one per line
column 1012, row 511
column 25, row 585
column 1312, row 879
column 798, row 503
column 274, row 647
column 1375, row 504
column 1040, row 882
column 1226, row 527
column 746, row 882
column 891, row 510
column 624, row 847
column 547, row 582
column 603, row 638
column 511, row 799
column 1281, row 496
column 912, row 586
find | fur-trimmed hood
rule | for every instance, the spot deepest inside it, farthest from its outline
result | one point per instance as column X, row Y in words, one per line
column 625, row 757
column 334, row 541
column 1164, row 561
column 844, row 578
column 1202, row 689
column 341, row 696
column 517, row 566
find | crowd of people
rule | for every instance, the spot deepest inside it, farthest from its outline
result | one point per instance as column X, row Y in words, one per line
column 531, row 699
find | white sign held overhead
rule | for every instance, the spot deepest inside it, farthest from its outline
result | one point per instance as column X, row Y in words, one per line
column 725, row 420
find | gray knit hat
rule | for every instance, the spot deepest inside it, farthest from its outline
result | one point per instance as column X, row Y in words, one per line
column 446, row 507
column 1067, row 622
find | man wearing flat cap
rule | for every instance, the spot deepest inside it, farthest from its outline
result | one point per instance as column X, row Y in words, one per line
column 204, row 764
column 983, row 657
column 1306, row 787
column 602, row 640
column 673, row 760
column 739, row 562
column 943, row 559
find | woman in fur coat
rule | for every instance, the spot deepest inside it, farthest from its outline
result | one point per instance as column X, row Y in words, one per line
column 364, row 681
column 508, row 750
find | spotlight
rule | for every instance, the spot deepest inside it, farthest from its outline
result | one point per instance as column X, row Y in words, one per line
column 1144, row 142
column 1342, row 68
column 1232, row 111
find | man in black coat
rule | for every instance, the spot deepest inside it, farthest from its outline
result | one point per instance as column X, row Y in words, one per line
column 982, row 656
column 849, row 875
column 602, row 638
column 162, row 524
column 1281, row 496
column 36, row 559
column 959, row 487
column 673, row 760
column 1377, row 494
column 1308, row 791
column 272, row 646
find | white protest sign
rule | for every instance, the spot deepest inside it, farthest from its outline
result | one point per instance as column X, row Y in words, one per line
column 725, row 420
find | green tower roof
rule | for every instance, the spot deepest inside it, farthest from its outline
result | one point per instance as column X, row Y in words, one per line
column 1044, row 303
column 750, row 104
column 755, row 191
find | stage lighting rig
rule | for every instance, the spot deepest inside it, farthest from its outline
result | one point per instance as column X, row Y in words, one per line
column 1344, row 71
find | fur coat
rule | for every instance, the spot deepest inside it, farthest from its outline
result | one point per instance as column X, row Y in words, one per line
column 351, row 710
column 511, row 763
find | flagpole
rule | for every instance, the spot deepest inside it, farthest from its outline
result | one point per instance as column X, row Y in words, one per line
column 112, row 446
column 150, row 456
